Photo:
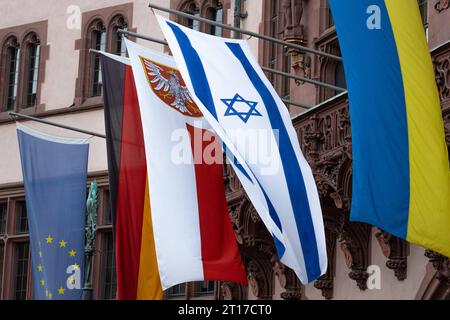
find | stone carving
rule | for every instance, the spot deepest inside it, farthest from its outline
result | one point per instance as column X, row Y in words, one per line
column 288, row 280
column 231, row 291
column 396, row 250
column 326, row 282
column 442, row 71
column 292, row 13
column 442, row 5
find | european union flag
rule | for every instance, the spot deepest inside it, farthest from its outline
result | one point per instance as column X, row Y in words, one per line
column 54, row 173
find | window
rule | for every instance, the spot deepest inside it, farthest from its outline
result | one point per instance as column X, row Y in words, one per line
column 3, row 215
column 204, row 288
column 273, row 33
column 286, row 90
column 423, row 6
column 191, row 23
column 2, row 252
column 178, row 291
column 21, row 267
column 329, row 18
column 98, row 43
column 118, row 40
column 215, row 14
column 339, row 77
column 33, row 52
column 12, row 73
column 109, row 267
column 107, row 214
column 21, row 216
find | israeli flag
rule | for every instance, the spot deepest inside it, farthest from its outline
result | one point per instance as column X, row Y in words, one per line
column 241, row 105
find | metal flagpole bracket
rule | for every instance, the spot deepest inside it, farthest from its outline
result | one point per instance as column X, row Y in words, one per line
column 243, row 31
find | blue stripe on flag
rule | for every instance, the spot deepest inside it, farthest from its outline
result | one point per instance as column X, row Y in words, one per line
column 292, row 171
column 233, row 159
column 203, row 92
column 196, row 70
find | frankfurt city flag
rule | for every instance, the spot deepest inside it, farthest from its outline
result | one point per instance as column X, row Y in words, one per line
column 242, row 107
column 54, row 174
column 401, row 176
column 172, row 222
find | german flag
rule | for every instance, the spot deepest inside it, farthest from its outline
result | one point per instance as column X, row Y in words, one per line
column 136, row 263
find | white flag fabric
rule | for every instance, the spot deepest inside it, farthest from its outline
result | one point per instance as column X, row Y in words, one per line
column 193, row 235
column 242, row 107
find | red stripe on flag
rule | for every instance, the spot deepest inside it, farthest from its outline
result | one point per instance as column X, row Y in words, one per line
column 131, row 193
column 220, row 253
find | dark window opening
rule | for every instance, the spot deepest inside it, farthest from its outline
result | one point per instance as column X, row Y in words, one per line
column 215, row 14
column 191, row 23
column 22, row 220
column 177, row 291
column 13, row 54
column 21, row 267
column 423, row 7
column 3, row 215
column 109, row 267
column 274, row 34
column 329, row 17
column 204, row 288
column 98, row 43
column 34, row 52
column 339, row 77
column 2, row 252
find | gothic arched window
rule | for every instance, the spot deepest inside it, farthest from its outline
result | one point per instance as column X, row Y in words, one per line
column 215, row 14
column 32, row 47
column 192, row 9
column 12, row 54
column 117, row 40
column 98, row 42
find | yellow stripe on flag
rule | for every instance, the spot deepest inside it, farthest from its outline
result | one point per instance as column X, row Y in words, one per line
column 149, row 283
column 429, row 212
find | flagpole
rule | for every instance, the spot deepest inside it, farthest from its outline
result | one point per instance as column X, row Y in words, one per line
column 277, row 72
column 15, row 115
column 247, row 32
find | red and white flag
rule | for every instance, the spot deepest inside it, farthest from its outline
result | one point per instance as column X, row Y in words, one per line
column 193, row 234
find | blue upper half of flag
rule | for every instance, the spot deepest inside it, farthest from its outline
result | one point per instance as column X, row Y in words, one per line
column 55, row 172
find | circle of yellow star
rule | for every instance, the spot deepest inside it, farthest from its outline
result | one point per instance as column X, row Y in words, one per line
column 72, row 280
column 42, row 282
column 50, row 296
column 39, row 267
column 61, row 291
column 49, row 239
column 75, row 266
column 62, row 244
column 72, row 253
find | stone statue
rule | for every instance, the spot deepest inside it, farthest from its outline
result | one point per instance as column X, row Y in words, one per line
column 91, row 225
column 292, row 12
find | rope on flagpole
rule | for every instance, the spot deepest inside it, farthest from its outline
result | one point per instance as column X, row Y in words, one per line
column 243, row 31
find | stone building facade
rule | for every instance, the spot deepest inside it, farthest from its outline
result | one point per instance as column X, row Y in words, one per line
column 46, row 71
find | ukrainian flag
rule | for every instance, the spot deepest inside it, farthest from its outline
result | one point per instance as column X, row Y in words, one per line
column 401, row 177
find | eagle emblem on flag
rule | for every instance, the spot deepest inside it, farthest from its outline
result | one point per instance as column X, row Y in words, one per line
column 169, row 86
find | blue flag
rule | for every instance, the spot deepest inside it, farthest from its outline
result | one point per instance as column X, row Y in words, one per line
column 54, row 174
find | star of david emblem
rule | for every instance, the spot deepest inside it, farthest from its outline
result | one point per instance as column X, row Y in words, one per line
column 241, row 108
